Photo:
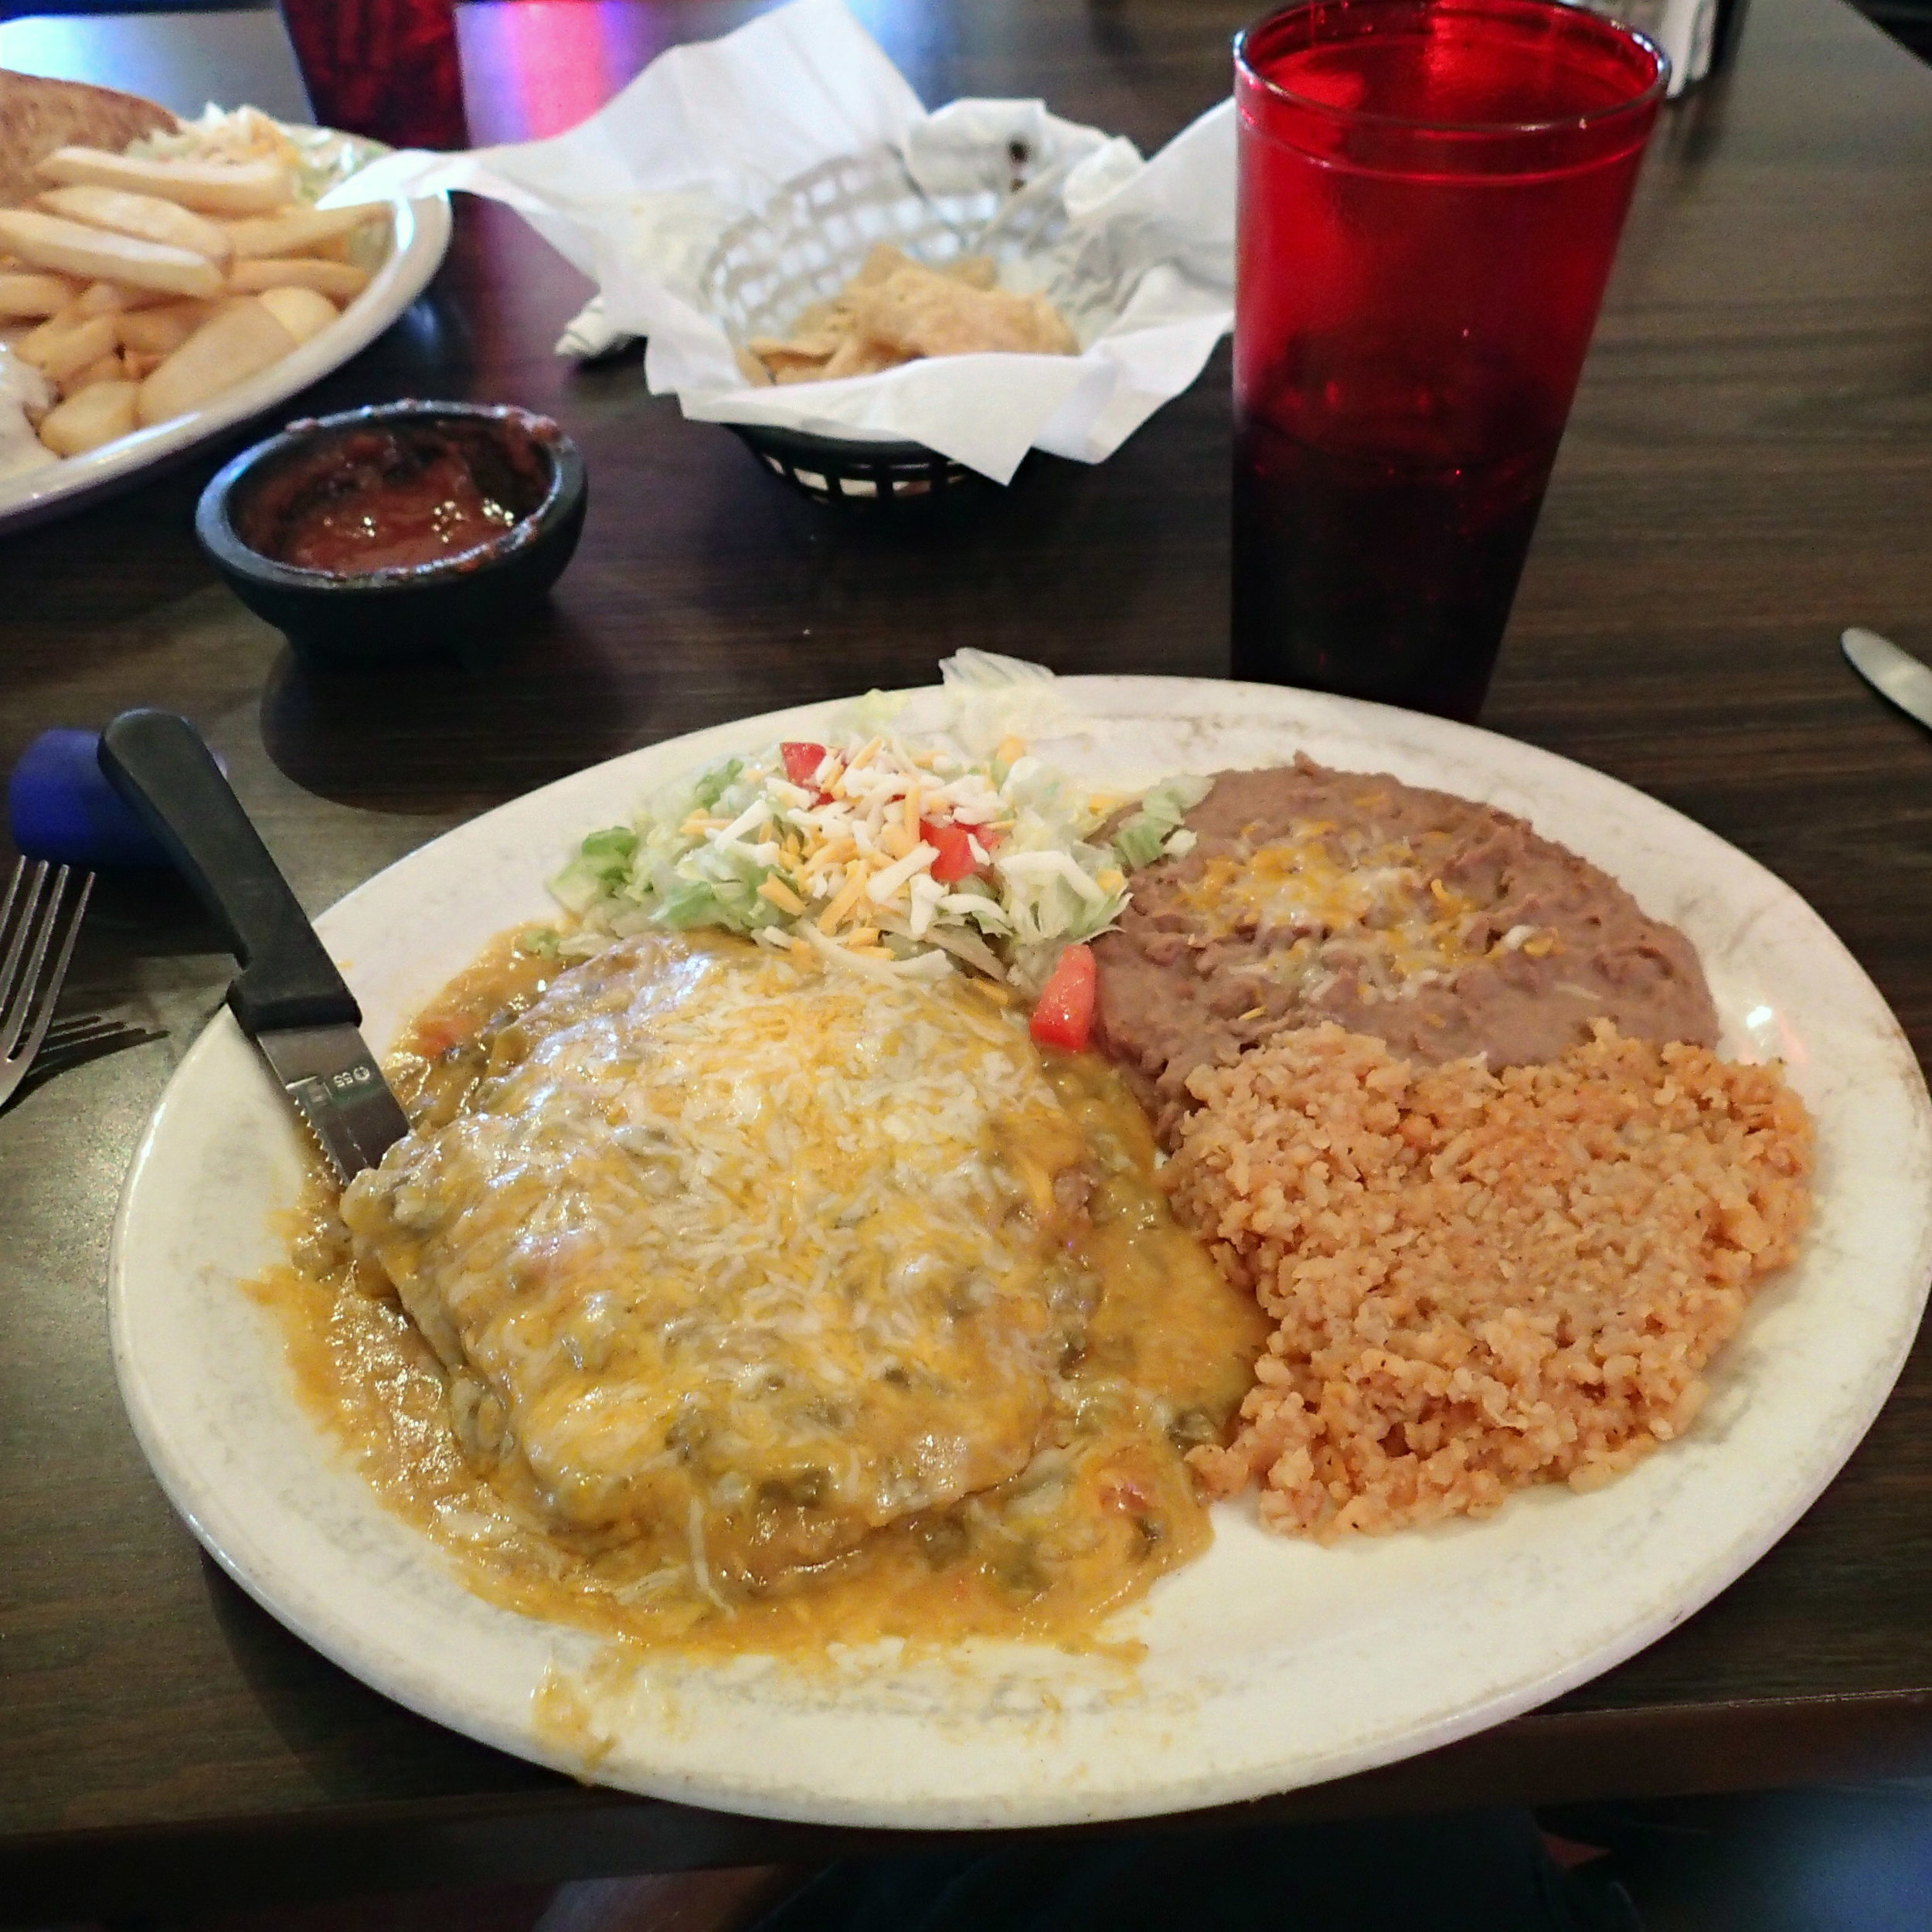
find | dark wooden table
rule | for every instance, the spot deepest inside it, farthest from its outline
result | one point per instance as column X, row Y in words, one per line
column 1749, row 468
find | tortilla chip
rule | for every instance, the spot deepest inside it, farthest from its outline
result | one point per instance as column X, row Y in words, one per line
column 895, row 310
column 882, row 261
column 919, row 312
column 38, row 116
column 780, row 365
column 976, row 271
column 807, row 345
column 833, row 317
column 862, row 355
column 1051, row 329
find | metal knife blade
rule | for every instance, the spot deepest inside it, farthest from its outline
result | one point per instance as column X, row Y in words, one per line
column 339, row 1090
column 289, row 997
column 1892, row 672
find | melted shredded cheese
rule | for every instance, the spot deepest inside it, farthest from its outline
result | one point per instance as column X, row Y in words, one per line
column 740, row 1254
column 1376, row 907
column 1150, row 1349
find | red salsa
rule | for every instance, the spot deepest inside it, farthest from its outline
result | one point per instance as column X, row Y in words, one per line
column 399, row 498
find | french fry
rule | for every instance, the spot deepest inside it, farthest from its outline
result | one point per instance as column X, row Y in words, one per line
column 160, row 331
column 96, row 254
column 30, row 294
column 107, row 368
column 60, row 348
column 302, row 311
column 295, row 230
column 237, row 342
column 98, row 299
column 340, row 281
column 213, row 187
column 147, row 217
column 143, row 288
column 92, row 416
column 115, row 298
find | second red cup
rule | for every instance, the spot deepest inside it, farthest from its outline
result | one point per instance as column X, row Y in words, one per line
column 1430, row 193
column 388, row 68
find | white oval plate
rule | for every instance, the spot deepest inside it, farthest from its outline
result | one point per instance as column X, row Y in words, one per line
column 1269, row 1664
column 420, row 237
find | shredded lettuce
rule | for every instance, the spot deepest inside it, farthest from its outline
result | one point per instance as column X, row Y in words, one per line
column 846, row 861
column 1156, row 830
column 876, row 712
column 715, row 780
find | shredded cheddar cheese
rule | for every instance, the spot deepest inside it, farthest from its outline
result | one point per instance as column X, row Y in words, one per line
column 991, row 865
column 1376, row 908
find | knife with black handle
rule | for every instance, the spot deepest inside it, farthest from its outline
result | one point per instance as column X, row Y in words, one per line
column 289, row 997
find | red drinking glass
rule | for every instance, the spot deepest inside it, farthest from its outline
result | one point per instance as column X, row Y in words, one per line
column 1430, row 196
column 388, row 68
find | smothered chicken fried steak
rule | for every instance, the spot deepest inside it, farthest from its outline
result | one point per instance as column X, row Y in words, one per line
column 729, row 1249
column 735, row 1262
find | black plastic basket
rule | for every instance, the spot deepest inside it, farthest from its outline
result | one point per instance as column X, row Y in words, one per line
column 805, row 244
column 832, row 469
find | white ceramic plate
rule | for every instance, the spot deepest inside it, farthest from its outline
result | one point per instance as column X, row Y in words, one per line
column 420, row 236
column 1270, row 1663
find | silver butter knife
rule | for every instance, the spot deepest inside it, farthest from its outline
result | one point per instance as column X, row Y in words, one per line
column 1893, row 673
column 289, row 997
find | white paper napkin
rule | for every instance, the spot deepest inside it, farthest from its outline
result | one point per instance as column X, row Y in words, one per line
column 638, row 196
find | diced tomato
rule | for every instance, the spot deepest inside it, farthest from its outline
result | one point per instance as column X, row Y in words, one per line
column 954, row 844
column 801, row 761
column 435, row 1037
column 1064, row 1017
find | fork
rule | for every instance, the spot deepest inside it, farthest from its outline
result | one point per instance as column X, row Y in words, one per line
column 39, row 938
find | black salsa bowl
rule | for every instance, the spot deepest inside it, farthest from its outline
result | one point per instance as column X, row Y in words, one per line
column 463, row 605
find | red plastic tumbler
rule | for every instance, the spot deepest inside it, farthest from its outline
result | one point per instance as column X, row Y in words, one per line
column 388, row 68
column 1430, row 194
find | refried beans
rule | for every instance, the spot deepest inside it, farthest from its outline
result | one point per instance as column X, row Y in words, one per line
column 1445, row 928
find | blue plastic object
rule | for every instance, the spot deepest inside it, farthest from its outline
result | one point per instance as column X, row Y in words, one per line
column 60, row 806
